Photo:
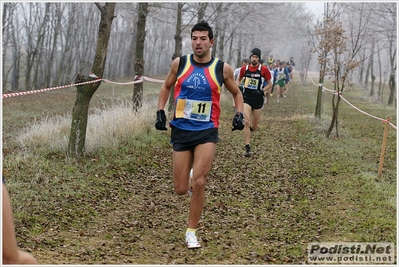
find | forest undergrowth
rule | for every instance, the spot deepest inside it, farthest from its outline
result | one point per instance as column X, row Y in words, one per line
column 117, row 205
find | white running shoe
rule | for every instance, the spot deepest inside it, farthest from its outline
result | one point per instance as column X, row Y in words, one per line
column 191, row 240
column 190, row 187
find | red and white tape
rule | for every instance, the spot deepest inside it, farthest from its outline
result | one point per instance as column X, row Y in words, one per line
column 153, row 80
column 48, row 89
column 383, row 120
column 136, row 80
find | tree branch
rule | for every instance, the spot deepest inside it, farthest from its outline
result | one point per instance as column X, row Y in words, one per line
column 101, row 8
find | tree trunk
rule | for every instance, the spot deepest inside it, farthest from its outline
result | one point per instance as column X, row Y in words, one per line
column 381, row 78
column 392, row 82
column 216, row 42
column 366, row 76
column 201, row 10
column 132, row 49
column 361, row 69
column 16, row 54
column 372, row 68
column 178, row 49
column 392, row 88
column 221, row 46
column 372, row 83
column 216, row 33
column 334, row 120
column 319, row 98
column 34, row 42
column 239, row 56
column 139, row 61
column 230, row 52
column 320, row 89
column 80, row 111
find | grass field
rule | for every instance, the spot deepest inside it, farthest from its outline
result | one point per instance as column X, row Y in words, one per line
column 117, row 205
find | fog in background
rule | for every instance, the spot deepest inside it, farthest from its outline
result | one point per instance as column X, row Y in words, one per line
column 46, row 44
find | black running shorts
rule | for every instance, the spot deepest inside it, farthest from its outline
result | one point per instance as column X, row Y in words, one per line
column 254, row 98
column 183, row 140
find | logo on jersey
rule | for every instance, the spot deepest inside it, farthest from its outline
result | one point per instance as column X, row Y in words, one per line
column 195, row 81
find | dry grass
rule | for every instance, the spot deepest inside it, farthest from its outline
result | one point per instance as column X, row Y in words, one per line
column 106, row 127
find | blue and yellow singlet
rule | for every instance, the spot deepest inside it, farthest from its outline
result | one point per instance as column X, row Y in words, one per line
column 197, row 94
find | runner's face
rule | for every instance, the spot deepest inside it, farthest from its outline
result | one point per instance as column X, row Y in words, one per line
column 254, row 60
column 201, row 43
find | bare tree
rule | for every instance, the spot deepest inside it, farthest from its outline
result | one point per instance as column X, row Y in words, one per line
column 340, row 60
column 11, row 30
column 391, row 36
column 52, row 37
column 80, row 110
column 131, row 49
column 178, row 48
column 35, row 29
column 382, row 39
column 372, row 67
column 322, row 58
column 139, row 55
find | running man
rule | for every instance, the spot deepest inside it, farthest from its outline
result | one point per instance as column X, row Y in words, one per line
column 281, row 75
column 269, row 91
column 255, row 74
column 198, row 80
column 288, row 69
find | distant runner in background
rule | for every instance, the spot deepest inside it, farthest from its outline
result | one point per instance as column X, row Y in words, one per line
column 270, row 60
column 254, row 76
column 281, row 75
column 269, row 91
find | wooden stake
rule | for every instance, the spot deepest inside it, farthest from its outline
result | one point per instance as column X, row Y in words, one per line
column 384, row 145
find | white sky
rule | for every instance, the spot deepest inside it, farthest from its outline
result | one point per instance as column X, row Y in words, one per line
column 315, row 7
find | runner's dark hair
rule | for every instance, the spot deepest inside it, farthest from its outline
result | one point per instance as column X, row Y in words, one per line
column 203, row 26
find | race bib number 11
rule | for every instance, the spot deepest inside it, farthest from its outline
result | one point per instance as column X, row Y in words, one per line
column 193, row 109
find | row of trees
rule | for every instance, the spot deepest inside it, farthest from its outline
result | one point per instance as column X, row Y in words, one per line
column 57, row 45
column 46, row 44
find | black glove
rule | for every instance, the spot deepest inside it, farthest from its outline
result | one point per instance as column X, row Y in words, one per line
column 238, row 121
column 160, row 123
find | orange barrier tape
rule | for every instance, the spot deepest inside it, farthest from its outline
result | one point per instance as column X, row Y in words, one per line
column 335, row 92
